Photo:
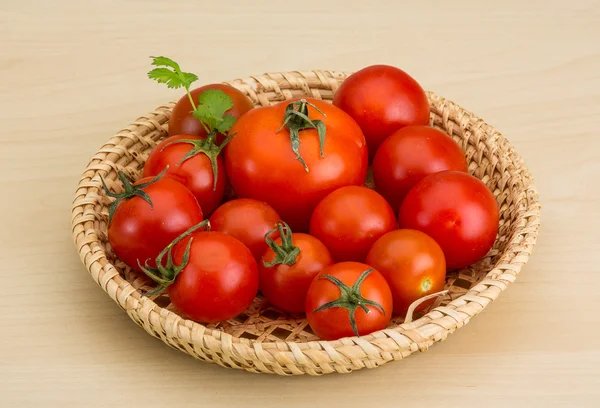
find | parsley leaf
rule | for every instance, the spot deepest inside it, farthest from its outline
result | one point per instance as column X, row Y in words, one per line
column 170, row 73
column 212, row 105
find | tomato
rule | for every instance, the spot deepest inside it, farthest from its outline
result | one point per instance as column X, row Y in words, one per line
column 209, row 276
column 382, row 99
column 410, row 154
column 289, row 266
column 247, row 220
column 183, row 122
column 261, row 162
column 413, row 265
column 348, row 299
column 195, row 172
column 349, row 220
column 458, row 211
column 147, row 216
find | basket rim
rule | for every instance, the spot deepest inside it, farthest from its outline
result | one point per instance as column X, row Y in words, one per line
column 417, row 335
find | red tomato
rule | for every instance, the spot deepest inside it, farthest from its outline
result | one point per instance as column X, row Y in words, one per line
column 209, row 276
column 149, row 215
column 247, row 220
column 410, row 154
column 349, row 220
column 458, row 211
column 348, row 299
column 183, row 122
column 413, row 265
column 289, row 266
column 261, row 163
column 382, row 99
column 196, row 172
column 220, row 280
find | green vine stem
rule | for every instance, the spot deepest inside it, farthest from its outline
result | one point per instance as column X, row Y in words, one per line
column 287, row 252
column 296, row 119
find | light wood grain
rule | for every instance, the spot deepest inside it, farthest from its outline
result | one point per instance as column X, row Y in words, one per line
column 73, row 73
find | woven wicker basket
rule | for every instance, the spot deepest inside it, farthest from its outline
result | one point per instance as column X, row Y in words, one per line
column 264, row 339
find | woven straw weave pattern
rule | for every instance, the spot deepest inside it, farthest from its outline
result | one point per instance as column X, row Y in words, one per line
column 263, row 339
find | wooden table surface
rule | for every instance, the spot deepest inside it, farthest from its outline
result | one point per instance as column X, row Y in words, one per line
column 73, row 73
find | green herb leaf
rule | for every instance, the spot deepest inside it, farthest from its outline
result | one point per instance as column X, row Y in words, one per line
column 212, row 105
column 170, row 73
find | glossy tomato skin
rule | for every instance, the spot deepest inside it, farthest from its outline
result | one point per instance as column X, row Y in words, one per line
column 183, row 122
column 261, row 164
column 382, row 99
column 247, row 220
column 334, row 323
column 220, row 280
column 349, row 220
column 195, row 173
column 413, row 265
column 458, row 211
column 285, row 286
column 140, row 232
column 410, row 154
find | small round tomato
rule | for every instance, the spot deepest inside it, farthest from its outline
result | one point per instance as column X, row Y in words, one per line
column 410, row 154
column 348, row 299
column 277, row 156
column 182, row 121
column 458, row 211
column 288, row 267
column 247, row 220
column 209, row 276
column 413, row 265
column 189, row 160
column 382, row 99
column 147, row 216
column 349, row 220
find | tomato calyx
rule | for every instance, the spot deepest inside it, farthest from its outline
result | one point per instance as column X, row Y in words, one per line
column 287, row 252
column 129, row 191
column 165, row 273
column 206, row 146
column 350, row 298
column 296, row 119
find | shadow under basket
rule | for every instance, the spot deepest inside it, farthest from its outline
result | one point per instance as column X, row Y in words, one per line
column 263, row 339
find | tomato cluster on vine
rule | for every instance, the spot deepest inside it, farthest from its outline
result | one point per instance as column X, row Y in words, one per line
column 301, row 227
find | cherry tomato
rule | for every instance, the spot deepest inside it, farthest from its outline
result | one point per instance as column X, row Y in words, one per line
column 209, row 276
column 288, row 267
column 148, row 215
column 349, row 220
column 348, row 299
column 458, row 211
column 262, row 164
column 183, row 122
column 195, row 172
column 410, row 154
column 382, row 99
column 247, row 220
column 413, row 265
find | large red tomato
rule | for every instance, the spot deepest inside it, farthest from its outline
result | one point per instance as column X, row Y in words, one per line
column 382, row 99
column 147, row 216
column 212, row 276
column 349, row 220
column 195, row 172
column 183, row 122
column 288, row 267
column 413, row 265
column 410, row 154
column 348, row 299
column 458, row 211
column 247, row 220
column 275, row 156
